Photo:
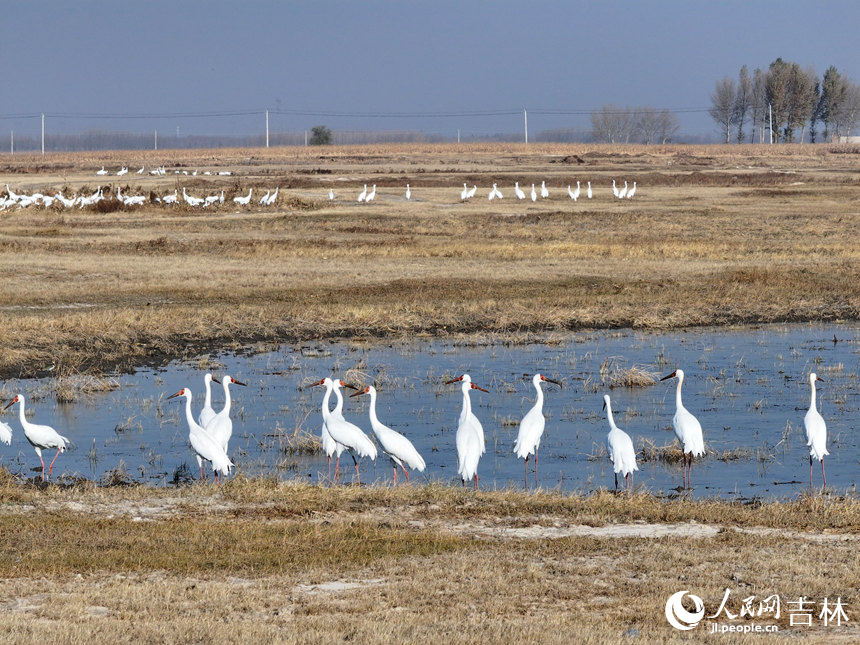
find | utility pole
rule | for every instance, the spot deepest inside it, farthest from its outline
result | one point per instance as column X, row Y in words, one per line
column 526, row 120
column 156, row 139
column 43, row 133
column 770, row 111
column 267, row 128
column 12, row 142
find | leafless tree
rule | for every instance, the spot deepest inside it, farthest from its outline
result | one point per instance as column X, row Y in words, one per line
column 723, row 106
column 743, row 102
column 612, row 124
column 759, row 105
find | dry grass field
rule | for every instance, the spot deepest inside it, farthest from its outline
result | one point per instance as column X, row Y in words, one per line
column 261, row 561
column 714, row 236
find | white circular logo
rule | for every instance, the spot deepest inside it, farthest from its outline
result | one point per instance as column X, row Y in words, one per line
column 679, row 617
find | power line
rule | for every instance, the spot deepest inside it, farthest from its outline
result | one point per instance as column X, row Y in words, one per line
column 344, row 114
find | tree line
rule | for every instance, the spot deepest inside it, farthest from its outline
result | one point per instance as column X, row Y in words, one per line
column 784, row 103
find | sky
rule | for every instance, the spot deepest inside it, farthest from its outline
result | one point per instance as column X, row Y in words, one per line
column 426, row 65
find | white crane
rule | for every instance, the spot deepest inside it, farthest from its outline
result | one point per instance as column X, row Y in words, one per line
column 190, row 199
column 816, row 432
column 472, row 191
column 331, row 194
column 620, row 446
column 220, row 428
column 171, row 199
column 204, row 446
column 531, row 429
column 470, row 434
column 363, row 194
column 588, row 191
column 142, row 168
column 623, row 192
column 519, row 191
column 344, row 433
column 687, row 429
column 265, row 198
column 243, row 201
column 408, row 193
column 398, row 448
column 329, row 445
column 464, row 194
column 574, row 194
column 122, row 171
column 41, row 437
column 533, row 194
column 371, row 195
column 494, row 193
column 102, row 172
column 614, row 188
column 273, row 197
column 632, row 191
column 544, row 193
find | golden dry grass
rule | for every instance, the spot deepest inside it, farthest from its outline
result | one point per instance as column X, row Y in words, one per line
column 715, row 235
column 261, row 560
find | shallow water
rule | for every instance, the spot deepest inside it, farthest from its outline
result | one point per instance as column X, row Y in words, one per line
column 747, row 386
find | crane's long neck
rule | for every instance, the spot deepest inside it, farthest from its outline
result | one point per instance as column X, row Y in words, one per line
column 325, row 411
column 374, row 420
column 678, row 401
column 610, row 417
column 226, row 395
column 338, row 409
column 207, row 403
column 467, row 404
column 188, row 414
column 812, row 405
column 21, row 412
column 539, row 401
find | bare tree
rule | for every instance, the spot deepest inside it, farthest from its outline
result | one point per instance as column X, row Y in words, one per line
column 759, row 105
column 743, row 102
column 777, row 91
column 612, row 124
column 723, row 105
column 667, row 127
column 801, row 100
column 646, row 123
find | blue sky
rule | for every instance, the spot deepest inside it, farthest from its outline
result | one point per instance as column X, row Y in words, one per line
column 157, row 58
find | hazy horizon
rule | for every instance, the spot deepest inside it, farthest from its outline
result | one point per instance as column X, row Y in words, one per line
column 210, row 68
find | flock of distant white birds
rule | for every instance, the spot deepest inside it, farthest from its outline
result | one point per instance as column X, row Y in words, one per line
column 22, row 200
column 210, row 433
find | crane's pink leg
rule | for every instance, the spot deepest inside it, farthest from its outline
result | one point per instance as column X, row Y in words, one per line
column 357, row 474
column 536, row 452
column 395, row 475
column 627, row 477
column 810, row 472
column 822, row 473
column 337, row 468
column 476, row 481
column 329, row 468
column 526, row 473
column 405, row 472
column 43, row 466
column 51, row 467
column 616, row 482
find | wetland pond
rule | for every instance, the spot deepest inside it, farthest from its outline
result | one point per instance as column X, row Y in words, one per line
column 748, row 386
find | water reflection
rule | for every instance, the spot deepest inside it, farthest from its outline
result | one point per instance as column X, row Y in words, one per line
column 747, row 386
